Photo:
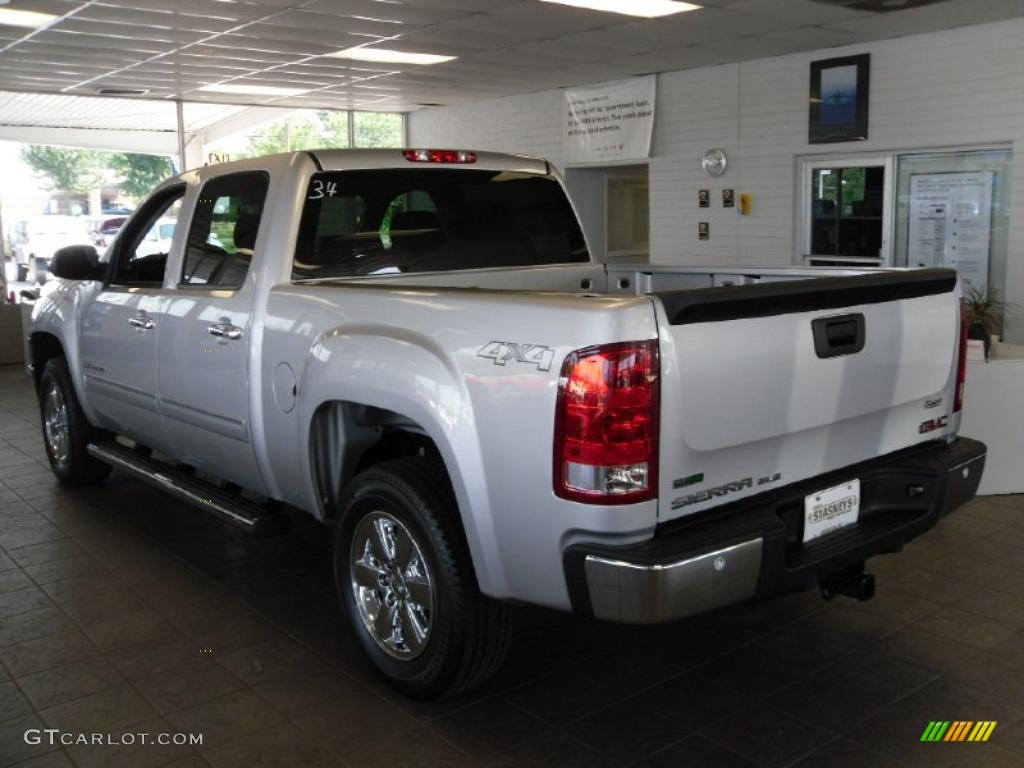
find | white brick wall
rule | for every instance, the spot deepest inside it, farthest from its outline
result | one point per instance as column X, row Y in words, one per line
column 530, row 124
column 955, row 88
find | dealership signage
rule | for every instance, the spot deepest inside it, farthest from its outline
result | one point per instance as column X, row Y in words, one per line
column 609, row 122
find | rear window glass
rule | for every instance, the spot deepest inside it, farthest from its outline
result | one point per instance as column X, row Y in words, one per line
column 403, row 221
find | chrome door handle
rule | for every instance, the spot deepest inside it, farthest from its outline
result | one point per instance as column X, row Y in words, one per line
column 142, row 322
column 225, row 331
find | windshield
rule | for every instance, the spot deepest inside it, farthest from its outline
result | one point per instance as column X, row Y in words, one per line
column 403, row 221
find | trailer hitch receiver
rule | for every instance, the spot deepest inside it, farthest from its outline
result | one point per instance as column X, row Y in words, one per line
column 851, row 582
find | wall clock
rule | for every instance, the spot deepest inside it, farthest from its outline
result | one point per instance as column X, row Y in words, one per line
column 714, row 162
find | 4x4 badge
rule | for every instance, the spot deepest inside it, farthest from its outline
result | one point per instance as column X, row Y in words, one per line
column 502, row 352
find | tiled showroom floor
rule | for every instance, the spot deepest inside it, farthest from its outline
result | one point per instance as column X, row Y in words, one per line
column 122, row 611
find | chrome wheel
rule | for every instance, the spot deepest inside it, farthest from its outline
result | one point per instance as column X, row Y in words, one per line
column 392, row 586
column 55, row 423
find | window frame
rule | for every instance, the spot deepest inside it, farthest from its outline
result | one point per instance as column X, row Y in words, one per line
column 998, row 265
column 806, row 256
column 181, row 283
column 141, row 222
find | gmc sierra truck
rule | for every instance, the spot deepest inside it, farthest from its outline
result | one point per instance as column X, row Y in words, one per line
column 415, row 347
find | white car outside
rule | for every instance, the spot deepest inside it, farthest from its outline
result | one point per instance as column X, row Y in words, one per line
column 36, row 239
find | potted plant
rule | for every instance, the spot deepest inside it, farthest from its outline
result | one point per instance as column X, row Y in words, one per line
column 984, row 314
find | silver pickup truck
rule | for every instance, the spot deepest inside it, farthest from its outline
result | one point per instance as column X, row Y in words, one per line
column 416, row 348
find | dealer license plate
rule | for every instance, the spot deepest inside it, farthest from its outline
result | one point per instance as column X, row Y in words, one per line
column 833, row 508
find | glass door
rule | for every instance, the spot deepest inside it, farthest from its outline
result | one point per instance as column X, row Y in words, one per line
column 846, row 212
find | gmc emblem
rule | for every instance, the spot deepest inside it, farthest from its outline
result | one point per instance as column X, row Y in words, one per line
column 932, row 424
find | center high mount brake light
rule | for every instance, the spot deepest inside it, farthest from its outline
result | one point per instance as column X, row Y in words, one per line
column 439, row 156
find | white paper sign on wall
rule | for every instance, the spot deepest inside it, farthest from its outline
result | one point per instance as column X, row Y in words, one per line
column 951, row 222
column 609, row 122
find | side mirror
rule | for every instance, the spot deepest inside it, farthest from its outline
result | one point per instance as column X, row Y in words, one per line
column 76, row 262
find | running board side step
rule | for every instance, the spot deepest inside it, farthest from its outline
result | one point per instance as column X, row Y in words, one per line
column 242, row 512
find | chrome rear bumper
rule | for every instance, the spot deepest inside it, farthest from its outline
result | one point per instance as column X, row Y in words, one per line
column 754, row 549
column 641, row 594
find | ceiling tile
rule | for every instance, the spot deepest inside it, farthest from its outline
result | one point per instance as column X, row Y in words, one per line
column 803, row 12
column 503, row 46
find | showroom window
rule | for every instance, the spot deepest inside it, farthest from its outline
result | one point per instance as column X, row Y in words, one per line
column 378, row 129
column 313, row 129
column 952, row 209
column 947, row 208
column 222, row 238
column 142, row 258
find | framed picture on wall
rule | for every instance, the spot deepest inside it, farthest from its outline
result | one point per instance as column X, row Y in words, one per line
column 839, row 99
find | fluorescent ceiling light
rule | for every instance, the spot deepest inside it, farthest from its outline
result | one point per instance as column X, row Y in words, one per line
column 648, row 9
column 252, row 90
column 387, row 56
column 12, row 17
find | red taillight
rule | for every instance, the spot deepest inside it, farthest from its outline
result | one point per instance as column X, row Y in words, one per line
column 606, row 424
column 439, row 156
column 961, row 361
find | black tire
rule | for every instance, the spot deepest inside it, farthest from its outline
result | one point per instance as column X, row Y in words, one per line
column 469, row 632
column 72, row 465
column 22, row 276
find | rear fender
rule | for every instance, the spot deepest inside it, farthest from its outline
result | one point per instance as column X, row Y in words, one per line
column 405, row 372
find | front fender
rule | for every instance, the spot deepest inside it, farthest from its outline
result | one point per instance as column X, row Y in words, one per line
column 408, row 373
column 56, row 313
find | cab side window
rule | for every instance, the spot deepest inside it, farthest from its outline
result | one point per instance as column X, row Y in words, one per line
column 141, row 257
column 222, row 238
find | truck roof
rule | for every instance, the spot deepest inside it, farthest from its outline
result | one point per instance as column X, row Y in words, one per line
column 365, row 159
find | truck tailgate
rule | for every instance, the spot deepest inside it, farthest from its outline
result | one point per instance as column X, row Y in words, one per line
column 765, row 385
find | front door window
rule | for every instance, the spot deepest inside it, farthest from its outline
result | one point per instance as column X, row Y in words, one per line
column 143, row 248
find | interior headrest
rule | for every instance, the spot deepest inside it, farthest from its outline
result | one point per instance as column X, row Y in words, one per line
column 246, row 227
column 406, row 220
